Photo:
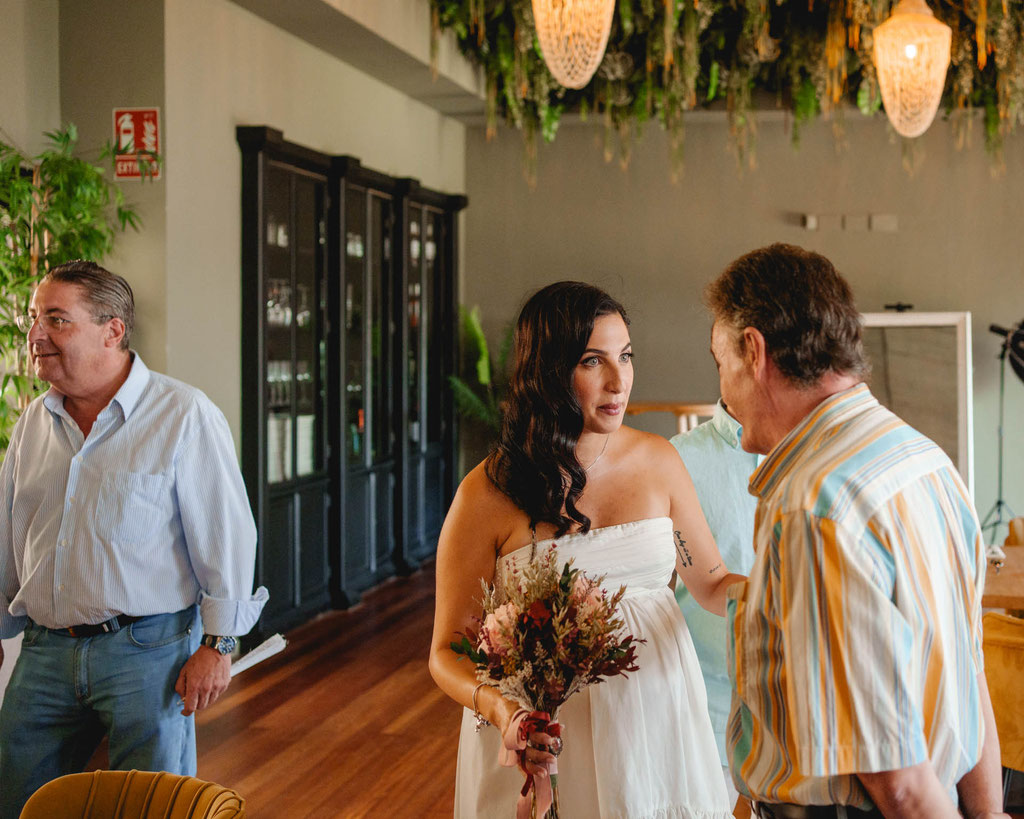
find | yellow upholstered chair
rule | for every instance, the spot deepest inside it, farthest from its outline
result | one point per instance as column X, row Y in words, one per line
column 1003, row 641
column 132, row 795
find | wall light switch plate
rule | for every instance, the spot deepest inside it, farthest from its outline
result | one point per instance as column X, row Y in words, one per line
column 884, row 222
column 809, row 221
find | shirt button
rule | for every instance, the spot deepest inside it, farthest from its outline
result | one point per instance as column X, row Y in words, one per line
column 61, row 587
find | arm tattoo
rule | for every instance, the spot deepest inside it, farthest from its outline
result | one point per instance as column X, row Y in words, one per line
column 684, row 553
column 715, row 569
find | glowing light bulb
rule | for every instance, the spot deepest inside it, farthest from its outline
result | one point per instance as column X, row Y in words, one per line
column 910, row 50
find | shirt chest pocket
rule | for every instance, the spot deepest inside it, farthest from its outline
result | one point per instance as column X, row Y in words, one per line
column 134, row 507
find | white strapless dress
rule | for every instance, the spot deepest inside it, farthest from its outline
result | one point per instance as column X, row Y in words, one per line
column 636, row 746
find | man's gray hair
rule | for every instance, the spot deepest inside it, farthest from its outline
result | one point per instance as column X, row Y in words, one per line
column 109, row 294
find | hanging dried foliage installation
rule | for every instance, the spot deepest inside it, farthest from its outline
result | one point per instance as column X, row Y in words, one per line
column 667, row 57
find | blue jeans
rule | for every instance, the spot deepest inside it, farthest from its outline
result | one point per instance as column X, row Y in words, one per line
column 66, row 693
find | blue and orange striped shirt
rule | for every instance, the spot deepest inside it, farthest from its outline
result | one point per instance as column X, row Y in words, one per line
column 855, row 644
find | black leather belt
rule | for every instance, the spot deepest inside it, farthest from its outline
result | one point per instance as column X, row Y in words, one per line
column 92, row 629
column 782, row 810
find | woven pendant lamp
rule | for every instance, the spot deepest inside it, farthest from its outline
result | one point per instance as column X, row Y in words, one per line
column 911, row 56
column 573, row 35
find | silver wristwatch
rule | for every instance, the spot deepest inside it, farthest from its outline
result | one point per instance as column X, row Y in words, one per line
column 222, row 645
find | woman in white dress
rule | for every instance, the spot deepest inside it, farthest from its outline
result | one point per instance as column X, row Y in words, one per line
column 567, row 474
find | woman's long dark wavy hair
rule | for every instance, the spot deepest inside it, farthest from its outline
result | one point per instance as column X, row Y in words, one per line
column 534, row 461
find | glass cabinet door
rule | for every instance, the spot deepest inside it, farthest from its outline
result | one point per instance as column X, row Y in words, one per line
column 284, row 452
column 434, row 286
column 294, row 247
column 354, row 307
column 369, row 328
column 278, row 322
column 307, row 318
column 381, row 328
column 428, row 362
column 414, row 375
column 368, row 389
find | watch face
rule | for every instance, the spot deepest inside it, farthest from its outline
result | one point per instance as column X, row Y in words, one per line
column 223, row 645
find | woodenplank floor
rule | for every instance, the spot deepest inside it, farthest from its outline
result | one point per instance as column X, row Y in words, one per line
column 345, row 722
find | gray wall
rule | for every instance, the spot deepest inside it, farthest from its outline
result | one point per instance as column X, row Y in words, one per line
column 112, row 56
column 654, row 244
column 30, row 86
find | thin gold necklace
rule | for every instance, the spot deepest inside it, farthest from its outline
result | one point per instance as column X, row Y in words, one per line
column 599, row 455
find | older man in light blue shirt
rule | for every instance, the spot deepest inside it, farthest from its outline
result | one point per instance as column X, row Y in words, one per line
column 720, row 470
column 124, row 524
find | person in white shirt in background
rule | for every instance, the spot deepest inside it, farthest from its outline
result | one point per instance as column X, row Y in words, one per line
column 125, row 532
column 721, row 471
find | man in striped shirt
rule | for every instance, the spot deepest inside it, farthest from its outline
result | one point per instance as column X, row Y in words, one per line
column 855, row 644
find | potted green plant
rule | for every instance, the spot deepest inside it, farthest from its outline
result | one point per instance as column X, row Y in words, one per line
column 480, row 390
column 54, row 207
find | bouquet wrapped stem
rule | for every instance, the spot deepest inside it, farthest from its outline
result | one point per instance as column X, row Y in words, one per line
column 555, row 632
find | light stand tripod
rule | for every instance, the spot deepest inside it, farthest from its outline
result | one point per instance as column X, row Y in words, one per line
column 995, row 517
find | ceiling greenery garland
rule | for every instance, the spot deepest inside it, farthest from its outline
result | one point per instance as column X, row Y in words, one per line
column 667, row 57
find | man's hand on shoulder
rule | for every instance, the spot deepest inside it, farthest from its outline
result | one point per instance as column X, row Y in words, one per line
column 203, row 678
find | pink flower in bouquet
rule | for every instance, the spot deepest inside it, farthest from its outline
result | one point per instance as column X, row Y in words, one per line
column 497, row 632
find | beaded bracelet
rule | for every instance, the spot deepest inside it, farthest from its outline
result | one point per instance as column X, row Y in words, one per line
column 481, row 720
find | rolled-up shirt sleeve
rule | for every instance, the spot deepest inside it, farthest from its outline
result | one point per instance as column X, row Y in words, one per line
column 10, row 625
column 218, row 526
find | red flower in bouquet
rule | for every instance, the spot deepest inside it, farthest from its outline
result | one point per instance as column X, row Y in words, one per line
column 555, row 631
column 538, row 613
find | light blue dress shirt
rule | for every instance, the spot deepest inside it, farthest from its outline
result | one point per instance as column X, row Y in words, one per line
column 721, row 471
column 147, row 515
